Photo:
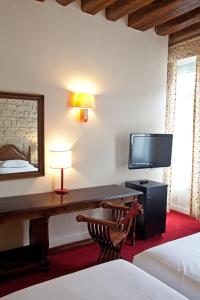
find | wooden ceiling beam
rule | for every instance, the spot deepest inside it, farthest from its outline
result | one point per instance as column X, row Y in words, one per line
column 121, row 8
column 185, row 34
column 64, row 2
column 159, row 12
column 94, row 6
column 179, row 23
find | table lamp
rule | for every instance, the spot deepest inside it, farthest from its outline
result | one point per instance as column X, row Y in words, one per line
column 61, row 159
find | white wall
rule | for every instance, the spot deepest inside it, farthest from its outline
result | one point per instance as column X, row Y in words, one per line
column 49, row 49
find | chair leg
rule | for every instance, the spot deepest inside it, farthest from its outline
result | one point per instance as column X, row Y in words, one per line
column 101, row 254
column 112, row 254
column 132, row 233
column 107, row 253
column 99, row 258
column 118, row 249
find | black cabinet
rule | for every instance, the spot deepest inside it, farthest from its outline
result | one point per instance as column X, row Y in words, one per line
column 154, row 202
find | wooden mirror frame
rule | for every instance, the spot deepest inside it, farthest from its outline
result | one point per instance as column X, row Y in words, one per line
column 40, row 132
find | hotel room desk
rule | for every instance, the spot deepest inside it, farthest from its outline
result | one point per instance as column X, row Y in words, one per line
column 38, row 208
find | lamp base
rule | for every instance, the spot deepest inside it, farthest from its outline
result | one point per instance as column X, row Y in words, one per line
column 84, row 115
column 61, row 191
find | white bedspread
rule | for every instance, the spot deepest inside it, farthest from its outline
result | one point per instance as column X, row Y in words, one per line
column 29, row 168
column 116, row 280
column 176, row 263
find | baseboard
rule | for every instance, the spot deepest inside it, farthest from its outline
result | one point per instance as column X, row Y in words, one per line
column 68, row 239
column 65, row 247
column 180, row 209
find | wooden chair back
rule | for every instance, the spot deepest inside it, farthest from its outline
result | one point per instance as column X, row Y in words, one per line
column 134, row 210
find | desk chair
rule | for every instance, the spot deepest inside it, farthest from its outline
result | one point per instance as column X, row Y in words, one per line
column 111, row 235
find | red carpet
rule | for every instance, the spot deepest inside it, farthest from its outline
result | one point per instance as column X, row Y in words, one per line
column 178, row 225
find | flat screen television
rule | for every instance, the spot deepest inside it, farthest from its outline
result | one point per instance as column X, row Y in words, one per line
column 150, row 150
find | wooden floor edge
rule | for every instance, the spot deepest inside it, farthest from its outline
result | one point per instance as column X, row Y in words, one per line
column 65, row 247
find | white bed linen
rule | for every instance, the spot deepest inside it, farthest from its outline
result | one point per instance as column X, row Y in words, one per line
column 116, row 280
column 30, row 168
column 176, row 263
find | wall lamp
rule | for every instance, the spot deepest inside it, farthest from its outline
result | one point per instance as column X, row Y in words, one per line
column 84, row 102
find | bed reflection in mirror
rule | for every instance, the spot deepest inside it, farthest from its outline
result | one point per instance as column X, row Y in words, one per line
column 21, row 128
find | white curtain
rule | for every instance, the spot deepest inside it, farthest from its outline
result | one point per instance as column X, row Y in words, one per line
column 183, row 178
column 183, row 135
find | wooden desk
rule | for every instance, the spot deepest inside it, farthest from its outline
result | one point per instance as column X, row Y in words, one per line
column 38, row 208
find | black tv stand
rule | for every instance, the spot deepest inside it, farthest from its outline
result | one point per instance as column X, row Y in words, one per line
column 154, row 202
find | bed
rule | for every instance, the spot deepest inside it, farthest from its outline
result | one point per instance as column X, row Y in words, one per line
column 12, row 160
column 176, row 263
column 115, row 280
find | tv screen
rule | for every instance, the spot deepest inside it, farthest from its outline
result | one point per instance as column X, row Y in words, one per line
column 150, row 150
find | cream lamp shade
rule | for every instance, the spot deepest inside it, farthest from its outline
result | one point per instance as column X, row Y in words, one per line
column 60, row 159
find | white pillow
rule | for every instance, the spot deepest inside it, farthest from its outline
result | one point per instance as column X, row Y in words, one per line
column 18, row 163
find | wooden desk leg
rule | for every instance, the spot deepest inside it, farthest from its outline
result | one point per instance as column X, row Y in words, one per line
column 39, row 237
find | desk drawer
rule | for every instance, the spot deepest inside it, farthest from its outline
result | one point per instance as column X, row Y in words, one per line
column 58, row 210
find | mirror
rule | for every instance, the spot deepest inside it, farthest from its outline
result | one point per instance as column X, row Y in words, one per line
column 21, row 135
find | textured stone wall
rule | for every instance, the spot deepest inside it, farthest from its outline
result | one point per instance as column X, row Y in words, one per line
column 18, row 125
